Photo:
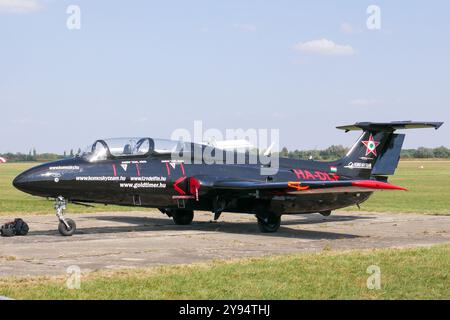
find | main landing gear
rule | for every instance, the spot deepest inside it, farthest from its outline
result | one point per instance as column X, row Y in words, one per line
column 268, row 221
column 182, row 217
column 66, row 226
column 326, row 213
column 269, row 224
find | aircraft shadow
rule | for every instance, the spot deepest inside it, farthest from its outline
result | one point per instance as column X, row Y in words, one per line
column 143, row 224
column 317, row 218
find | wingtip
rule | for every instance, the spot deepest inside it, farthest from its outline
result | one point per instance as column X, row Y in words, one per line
column 377, row 185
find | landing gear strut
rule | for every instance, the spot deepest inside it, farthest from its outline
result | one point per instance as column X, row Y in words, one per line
column 66, row 227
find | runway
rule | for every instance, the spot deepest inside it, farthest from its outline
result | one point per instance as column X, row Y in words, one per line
column 118, row 240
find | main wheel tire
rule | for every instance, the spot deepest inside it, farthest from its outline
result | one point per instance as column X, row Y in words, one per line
column 67, row 232
column 182, row 217
column 325, row 213
column 270, row 224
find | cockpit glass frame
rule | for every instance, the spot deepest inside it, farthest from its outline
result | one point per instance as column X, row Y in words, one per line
column 130, row 148
column 99, row 151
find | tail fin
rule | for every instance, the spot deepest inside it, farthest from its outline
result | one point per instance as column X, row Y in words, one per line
column 377, row 151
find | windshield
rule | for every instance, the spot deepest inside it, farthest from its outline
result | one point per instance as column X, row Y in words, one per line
column 131, row 147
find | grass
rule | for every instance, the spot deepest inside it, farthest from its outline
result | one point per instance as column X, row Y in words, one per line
column 422, row 273
column 428, row 183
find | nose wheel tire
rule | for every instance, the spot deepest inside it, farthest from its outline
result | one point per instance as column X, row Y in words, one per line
column 269, row 224
column 67, row 231
column 183, row 217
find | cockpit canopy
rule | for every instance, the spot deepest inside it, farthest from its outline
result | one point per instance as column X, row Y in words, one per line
column 132, row 147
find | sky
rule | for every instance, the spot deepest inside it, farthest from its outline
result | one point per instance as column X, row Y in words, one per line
column 147, row 68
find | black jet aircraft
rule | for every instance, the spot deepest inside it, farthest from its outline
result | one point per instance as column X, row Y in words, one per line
column 175, row 178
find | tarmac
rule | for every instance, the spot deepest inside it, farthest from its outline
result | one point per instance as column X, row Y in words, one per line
column 117, row 240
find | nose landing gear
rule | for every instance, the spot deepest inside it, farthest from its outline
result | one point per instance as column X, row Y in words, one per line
column 66, row 227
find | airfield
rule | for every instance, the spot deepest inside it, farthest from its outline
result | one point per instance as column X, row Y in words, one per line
column 108, row 241
column 406, row 233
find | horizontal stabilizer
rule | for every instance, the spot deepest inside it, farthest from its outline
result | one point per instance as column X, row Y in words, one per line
column 390, row 126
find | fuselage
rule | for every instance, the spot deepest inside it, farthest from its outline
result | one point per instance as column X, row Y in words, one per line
column 159, row 182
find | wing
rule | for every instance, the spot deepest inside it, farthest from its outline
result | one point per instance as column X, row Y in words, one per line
column 306, row 187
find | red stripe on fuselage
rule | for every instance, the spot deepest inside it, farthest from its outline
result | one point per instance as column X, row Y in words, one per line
column 138, row 170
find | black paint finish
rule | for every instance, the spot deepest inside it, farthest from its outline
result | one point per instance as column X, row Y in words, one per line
column 157, row 180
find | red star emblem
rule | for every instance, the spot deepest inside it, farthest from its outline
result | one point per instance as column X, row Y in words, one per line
column 371, row 146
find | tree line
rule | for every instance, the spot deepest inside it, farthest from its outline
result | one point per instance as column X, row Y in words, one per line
column 34, row 156
column 337, row 151
column 331, row 153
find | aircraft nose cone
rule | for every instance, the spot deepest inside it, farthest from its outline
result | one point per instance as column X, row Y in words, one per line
column 37, row 181
column 19, row 182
